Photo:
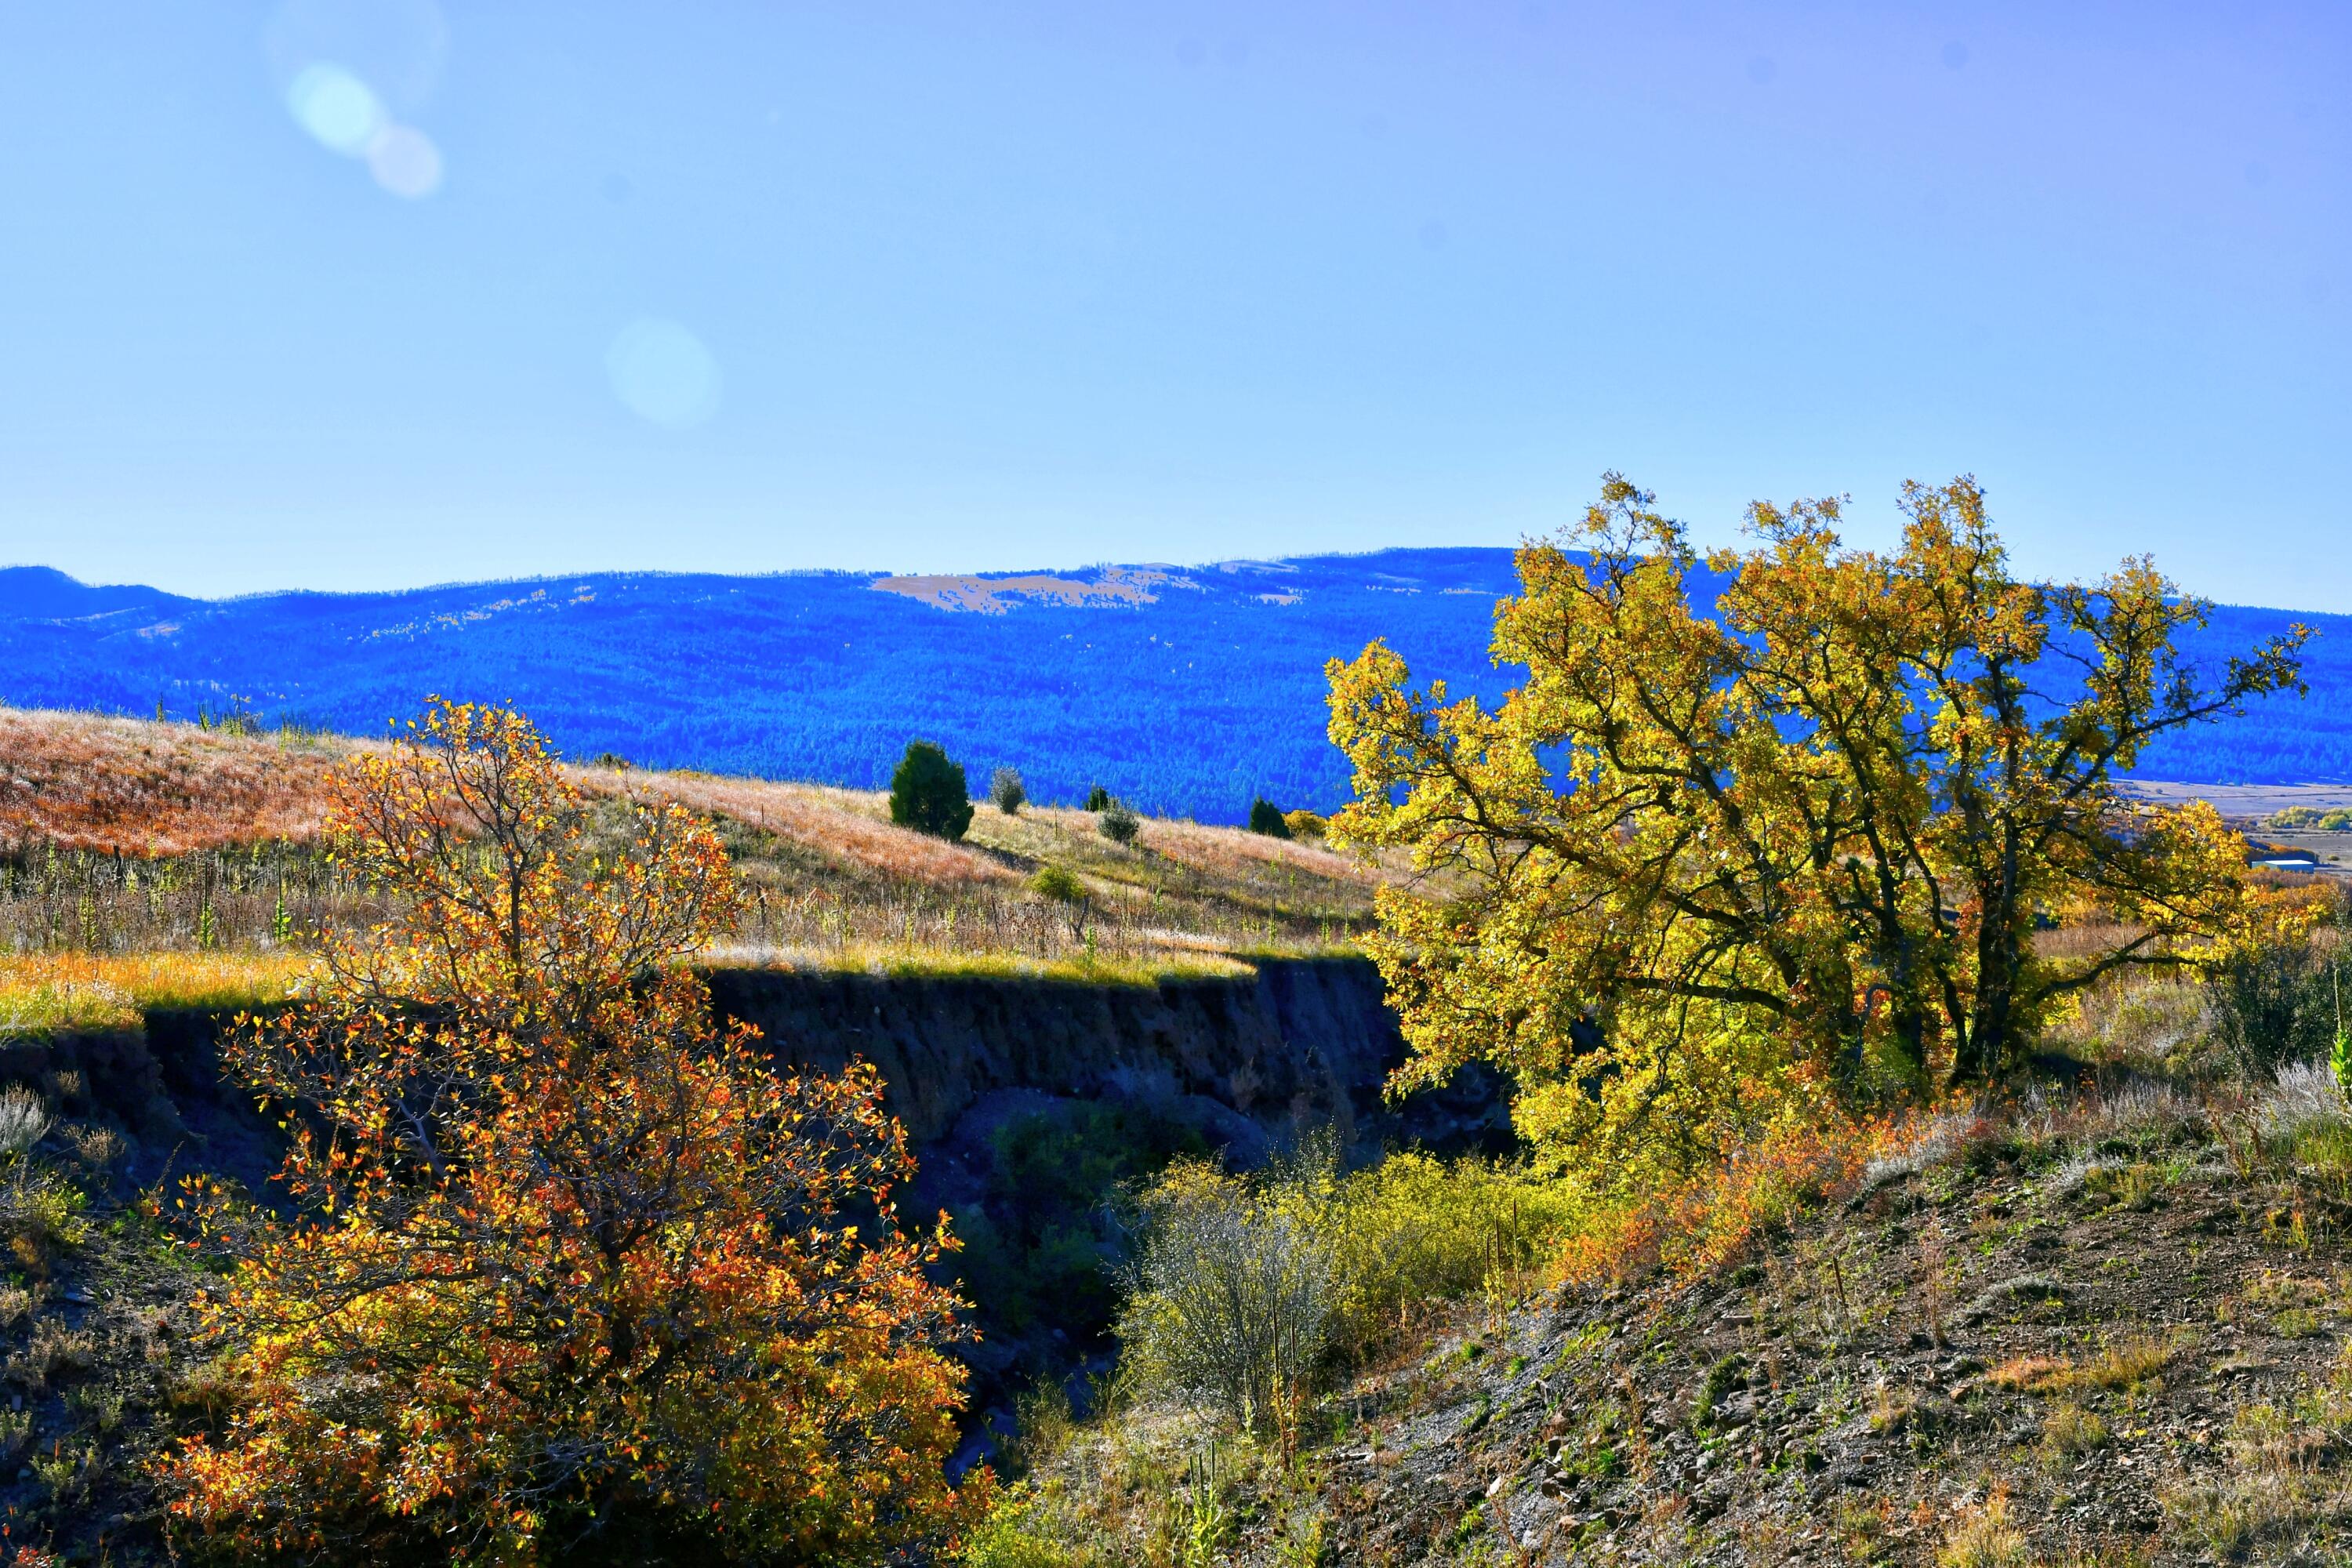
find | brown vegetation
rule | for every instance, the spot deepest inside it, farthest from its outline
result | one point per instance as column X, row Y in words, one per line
column 125, row 786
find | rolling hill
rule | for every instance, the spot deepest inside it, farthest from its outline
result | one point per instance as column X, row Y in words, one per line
column 1186, row 691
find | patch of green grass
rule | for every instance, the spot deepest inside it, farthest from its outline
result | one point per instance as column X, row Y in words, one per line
column 2070, row 1431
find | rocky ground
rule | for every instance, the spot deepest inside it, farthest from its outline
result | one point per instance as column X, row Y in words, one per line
column 2108, row 1344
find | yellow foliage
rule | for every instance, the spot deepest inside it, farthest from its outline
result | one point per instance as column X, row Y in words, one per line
column 1413, row 1230
column 1711, row 865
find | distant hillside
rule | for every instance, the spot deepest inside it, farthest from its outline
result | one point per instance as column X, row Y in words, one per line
column 1186, row 691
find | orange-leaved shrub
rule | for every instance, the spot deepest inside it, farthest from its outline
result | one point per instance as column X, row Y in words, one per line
column 571, row 1274
column 1719, row 1212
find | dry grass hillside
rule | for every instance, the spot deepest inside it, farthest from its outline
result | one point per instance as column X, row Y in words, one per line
column 122, row 836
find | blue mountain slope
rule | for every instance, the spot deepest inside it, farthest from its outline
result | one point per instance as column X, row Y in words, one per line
column 1184, row 691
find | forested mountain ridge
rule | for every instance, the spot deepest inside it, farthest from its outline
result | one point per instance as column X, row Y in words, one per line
column 1187, row 690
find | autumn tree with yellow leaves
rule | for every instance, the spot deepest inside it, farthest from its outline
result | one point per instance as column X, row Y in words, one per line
column 571, row 1274
column 1722, row 852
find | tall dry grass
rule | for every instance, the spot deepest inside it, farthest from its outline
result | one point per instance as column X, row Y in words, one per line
column 843, row 825
column 120, row 835
column 126, row 786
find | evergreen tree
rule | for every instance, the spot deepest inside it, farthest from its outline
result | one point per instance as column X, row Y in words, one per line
column 928, row 794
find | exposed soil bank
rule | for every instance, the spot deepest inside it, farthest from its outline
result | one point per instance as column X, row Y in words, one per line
column 1299, row 1041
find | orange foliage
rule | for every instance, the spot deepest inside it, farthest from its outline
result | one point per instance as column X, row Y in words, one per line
column 123, row 786
column 575, row 1277
column 1706, row 1220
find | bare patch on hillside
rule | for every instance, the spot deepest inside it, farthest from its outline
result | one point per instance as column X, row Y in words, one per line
column 1118, row 587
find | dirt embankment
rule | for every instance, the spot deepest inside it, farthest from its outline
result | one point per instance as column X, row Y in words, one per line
column 1296, row 1041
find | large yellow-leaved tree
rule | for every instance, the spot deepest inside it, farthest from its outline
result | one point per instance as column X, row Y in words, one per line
column 571, row 1275
column 1755, row 821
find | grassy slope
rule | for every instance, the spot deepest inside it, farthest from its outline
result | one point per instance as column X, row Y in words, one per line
column 829, row 879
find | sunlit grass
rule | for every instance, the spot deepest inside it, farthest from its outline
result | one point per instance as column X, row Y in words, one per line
column 913, row 962
column 47, row 993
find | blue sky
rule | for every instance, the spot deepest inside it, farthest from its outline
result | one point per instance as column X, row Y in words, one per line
column 353, row 293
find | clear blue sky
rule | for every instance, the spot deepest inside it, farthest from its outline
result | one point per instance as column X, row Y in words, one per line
column 349, row 294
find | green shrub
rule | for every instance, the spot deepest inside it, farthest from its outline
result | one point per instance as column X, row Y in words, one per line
column 44, row 1216
column 1266, row 817
column 1304, row 1256
column 1119, row 825
column 2337, row 821
column 1057, row 883
column 1098, row 798
column 1005, row 789
column 928, row 794
column 1019, row 1533
column 2289, row 818
column 2273, row 1004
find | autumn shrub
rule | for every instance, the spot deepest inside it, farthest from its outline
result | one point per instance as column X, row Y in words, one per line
column 928, row 792
column 1304, row 823
column 572, row 1274
column 1713, row 1215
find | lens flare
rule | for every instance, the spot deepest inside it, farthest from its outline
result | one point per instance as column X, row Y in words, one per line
column 340, row 112
column 397, row 46
column 663, row 372
column 404, row 161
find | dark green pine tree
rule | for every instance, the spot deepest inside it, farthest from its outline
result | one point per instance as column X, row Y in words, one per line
column 1266, row 817
column 928, row 794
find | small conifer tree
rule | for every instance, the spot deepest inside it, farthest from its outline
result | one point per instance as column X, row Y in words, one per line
column 1266, row 817
column 1098, row 798
column 1118, row 824
column 928, row 794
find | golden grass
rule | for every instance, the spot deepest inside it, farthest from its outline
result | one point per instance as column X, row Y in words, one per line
column 43, row 994
column 845, row 825
column 2029, row 1373
column 2119, row 1365
column 908, row 961
column 1983, row 1538
column 128, row 786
